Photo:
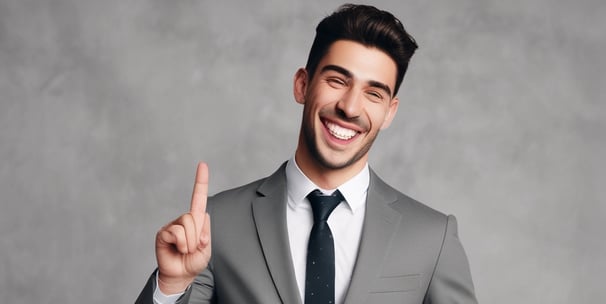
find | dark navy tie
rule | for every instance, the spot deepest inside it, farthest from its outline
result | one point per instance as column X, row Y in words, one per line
column 320, row 271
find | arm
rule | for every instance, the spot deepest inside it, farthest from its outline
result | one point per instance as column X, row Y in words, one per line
column 200, row 291
column 183, row 246
column 451, row 281
column 151, row 294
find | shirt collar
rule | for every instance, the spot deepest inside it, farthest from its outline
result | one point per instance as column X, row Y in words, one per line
column 299, row 186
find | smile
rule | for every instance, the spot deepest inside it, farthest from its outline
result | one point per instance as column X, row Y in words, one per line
column 340, row 132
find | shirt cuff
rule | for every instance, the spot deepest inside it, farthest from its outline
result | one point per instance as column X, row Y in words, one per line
column 161, row 298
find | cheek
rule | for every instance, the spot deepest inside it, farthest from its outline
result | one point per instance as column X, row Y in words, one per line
column 318, row 103
column 378, row 115
column 324, row 94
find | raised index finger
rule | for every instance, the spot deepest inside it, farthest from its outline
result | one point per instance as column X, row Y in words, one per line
column 198, row 198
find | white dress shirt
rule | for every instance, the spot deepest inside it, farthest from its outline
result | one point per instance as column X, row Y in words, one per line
column 345, row 223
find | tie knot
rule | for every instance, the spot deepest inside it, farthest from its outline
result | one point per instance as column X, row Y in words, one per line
column 322, row 205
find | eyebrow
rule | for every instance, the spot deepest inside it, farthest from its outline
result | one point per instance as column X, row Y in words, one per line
column 348, row 74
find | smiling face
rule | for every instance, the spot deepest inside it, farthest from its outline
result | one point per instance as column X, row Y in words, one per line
column 346, row 102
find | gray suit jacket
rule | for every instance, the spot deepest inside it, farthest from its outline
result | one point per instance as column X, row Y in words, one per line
column 409, row 253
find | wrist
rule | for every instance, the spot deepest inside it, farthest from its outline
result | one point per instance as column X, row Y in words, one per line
column 169, row 286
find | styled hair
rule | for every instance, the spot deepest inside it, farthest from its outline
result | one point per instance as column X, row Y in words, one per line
column 366, row 25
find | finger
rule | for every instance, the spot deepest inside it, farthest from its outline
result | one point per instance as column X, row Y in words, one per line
column 191, row 232
column 175, row 235
column 199, row 195
column 205, row 235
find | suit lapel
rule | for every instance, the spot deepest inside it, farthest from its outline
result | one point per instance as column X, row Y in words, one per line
column 380, row 223
column 269, row 213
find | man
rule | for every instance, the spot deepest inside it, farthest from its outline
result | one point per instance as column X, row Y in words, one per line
column 269, row 243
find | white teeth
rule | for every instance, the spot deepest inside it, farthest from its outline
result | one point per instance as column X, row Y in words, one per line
column 340, row 132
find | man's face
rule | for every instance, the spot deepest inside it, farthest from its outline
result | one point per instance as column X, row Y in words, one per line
column 346, row 103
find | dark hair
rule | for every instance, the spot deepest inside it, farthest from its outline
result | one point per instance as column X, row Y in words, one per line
column 366, row 25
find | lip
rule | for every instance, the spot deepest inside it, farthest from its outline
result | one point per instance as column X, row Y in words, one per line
column 341, row 141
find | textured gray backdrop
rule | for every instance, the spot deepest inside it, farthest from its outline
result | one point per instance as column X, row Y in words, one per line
column 106, row 106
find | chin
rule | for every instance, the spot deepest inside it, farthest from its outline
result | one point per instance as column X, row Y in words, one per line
column 337, row 163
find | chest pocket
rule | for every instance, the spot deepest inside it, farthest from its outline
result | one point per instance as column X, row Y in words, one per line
column 396, row 283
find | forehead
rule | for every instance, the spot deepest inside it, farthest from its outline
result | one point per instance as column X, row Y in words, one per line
column 363, row 62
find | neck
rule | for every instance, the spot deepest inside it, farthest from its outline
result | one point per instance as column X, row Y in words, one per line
column 323, row 177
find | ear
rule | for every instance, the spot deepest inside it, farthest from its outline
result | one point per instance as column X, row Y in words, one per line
column 391, row 113
column 300, row 85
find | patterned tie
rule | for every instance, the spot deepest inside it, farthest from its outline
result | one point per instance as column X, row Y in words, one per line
column 320, row 271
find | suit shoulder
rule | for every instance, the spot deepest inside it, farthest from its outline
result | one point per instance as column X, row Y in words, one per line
column 246, row 193
column 240, row 192
column 404, row 203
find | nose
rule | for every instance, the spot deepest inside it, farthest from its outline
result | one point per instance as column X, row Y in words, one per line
column 350, row 104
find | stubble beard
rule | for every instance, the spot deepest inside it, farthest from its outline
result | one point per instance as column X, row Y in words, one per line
column 314, row 151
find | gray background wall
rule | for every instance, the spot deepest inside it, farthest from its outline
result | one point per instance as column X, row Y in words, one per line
column 106, row 106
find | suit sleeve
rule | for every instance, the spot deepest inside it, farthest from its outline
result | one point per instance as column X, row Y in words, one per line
column 451, row 281
column 147, row 294
column 201, row 291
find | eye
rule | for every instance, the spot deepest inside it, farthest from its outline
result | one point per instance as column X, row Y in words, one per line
column 374, row 95
column 336, row 82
